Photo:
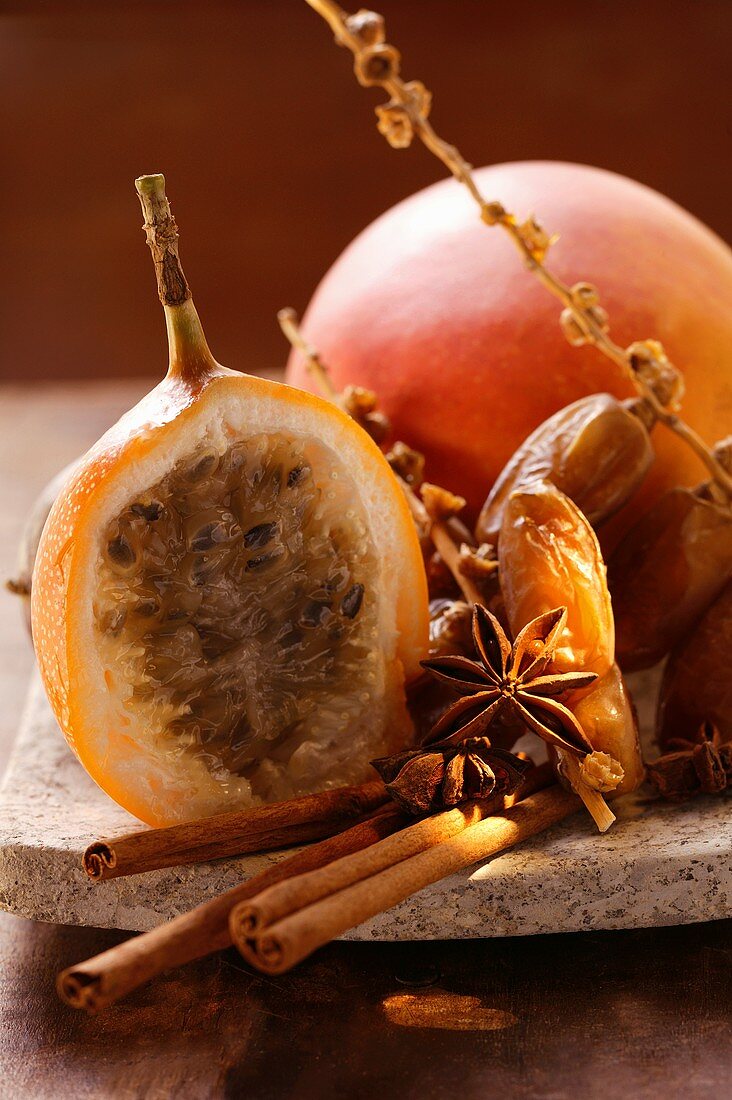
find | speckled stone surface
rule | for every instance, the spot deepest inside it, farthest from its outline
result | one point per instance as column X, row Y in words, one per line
column 659, row 865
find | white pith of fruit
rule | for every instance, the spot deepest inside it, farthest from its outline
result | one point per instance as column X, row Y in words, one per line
column 115, row 743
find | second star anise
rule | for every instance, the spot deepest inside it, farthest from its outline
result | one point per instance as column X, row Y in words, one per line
column 701, row 764
column 517, row 679
column 446, row 774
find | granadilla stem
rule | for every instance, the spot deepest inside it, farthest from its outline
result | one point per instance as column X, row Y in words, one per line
column 190, row 358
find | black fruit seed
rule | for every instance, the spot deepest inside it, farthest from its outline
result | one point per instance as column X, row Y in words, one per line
column 265, row 559
column 203, row 467
column 315, row 613
column 259, row 536
column 150, row 512
column 120, row 552
column 296, row 475
column 351, row 602
column 208, row 535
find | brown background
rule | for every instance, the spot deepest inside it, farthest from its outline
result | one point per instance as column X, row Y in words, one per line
column 272, row 158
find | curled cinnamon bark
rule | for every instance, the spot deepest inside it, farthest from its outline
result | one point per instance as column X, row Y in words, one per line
column 279, row 825
column 249, row 918
column 281, row 945
column 95, row 984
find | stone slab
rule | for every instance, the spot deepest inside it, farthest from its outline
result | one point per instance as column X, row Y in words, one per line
column 659, row 865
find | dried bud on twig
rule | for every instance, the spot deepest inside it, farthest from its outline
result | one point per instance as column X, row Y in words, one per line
column 492, row 212
column 581, row 323
column 450, row 628
column 419, row 98
column 583, row 320
column 361, row 405
column 585, row 295
column 650, row 363
column 376, row 64
column 440, row 503
column 368, row 26
column 358, row 401
column 573, row 331
column 535, row 238
column 396, row 120
column 407, row 463
column 479, row 563
column 395, row 124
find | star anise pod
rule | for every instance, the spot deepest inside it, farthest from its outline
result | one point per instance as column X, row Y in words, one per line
column 446, row 774
column 701, row 764
column 516, row 681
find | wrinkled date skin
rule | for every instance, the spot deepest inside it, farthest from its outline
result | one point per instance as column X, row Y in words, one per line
column 597, row 451
column 666, row 572
column 697, row 684
column 605, row 712
column 549, row 556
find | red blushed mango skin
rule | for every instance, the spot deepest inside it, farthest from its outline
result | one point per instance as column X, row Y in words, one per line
column 436, row 313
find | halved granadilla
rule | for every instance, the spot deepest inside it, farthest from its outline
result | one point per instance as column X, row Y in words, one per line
column 229, row 592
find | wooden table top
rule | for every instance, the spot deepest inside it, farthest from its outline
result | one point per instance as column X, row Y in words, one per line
column 642, row 1014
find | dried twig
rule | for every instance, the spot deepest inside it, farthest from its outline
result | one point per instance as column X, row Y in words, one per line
column 583, row 320
column 288, row 323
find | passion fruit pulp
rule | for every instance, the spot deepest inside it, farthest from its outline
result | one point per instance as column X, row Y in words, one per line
column 237, row 605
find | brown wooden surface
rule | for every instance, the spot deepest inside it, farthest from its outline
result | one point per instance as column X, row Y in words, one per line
column 271, row 153
column 634, row 1014
column 639, row 1015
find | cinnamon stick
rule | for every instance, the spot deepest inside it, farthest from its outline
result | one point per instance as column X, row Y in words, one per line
column 280, row 825
column 250, row 917
column 104, row 979
column 282, row 945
